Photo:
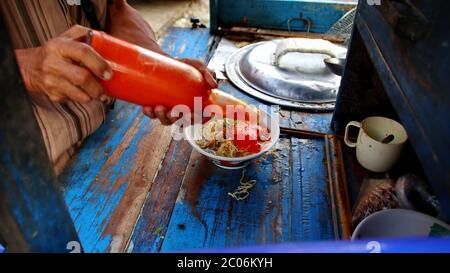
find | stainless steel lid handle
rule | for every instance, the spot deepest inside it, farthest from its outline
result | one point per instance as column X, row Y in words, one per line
column 302, row 45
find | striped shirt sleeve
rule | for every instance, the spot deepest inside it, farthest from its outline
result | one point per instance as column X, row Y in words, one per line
column 31, row 23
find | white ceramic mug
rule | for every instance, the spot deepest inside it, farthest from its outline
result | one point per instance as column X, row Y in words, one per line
column 371, row 152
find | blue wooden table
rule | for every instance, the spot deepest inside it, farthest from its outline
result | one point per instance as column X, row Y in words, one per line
column 132, row 188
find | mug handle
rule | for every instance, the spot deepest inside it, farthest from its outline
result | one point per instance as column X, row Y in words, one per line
column 346, row 140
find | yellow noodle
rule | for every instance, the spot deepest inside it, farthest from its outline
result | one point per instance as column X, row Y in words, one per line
column 242, row 192
column 213, row 139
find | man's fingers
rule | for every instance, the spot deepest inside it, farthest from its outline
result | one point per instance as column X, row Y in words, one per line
column 73, row 92
column 86, row 81
column 213, row 73
column 86, row 55
column 210, row 79
column 161, row 114
column 172, row 118
column 207, row 74
column 77, row 75
column 56, row 98
column 57, row 88
column 148, row 111
column 83, row 53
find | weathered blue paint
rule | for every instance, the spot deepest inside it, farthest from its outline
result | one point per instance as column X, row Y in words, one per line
column 289, row 202
column 274, row 14
column 33, row 216
column 158, row 207
column 315, row 201
column 94, row 183
column 186, row 231
column 91, row 207
column 186, row 42
column 181, row 43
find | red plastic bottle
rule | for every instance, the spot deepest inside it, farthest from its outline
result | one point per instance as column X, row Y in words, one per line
column 147, row 78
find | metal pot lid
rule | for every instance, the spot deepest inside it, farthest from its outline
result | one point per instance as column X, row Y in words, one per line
column 288, row 72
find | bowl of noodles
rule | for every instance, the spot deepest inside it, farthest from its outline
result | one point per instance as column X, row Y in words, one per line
column 232, row 143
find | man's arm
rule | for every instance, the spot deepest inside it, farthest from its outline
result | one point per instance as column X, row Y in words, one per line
column 127, row 24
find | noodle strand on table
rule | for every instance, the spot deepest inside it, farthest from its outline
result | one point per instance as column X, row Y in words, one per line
column 242, row 192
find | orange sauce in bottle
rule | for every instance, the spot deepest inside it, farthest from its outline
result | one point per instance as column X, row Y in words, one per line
column 146, row 78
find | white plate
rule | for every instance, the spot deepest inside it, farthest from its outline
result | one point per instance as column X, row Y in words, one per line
column 266, row 120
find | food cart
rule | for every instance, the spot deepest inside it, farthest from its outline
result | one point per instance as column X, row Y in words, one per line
column 132, row 188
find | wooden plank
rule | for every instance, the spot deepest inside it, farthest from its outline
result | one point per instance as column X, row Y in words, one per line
column 188, row 43
column 152, row 224
column 108, row 180
column 252, row 34
column 288, row 203
column 340, row 204
column 151, row 228
column 318, row 122
column 315, row 202
column 106, row 189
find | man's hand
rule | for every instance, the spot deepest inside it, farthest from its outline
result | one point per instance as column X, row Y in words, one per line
column 162, row 113
column 64, row 68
